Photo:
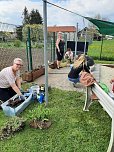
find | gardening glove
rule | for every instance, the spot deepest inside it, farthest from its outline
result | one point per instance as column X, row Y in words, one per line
column 22, row 97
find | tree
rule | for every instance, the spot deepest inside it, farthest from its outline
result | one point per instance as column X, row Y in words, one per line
column 26, row 18
column 19, row 32
column 36, row 32
column 35, row 17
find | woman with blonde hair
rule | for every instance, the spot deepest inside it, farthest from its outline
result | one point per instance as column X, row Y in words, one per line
column 59, row 49
column 78, row 66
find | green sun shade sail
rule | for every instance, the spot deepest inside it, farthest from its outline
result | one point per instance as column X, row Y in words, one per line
column 104, row 27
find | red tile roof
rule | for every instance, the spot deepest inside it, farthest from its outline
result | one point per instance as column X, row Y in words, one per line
column 61, row 29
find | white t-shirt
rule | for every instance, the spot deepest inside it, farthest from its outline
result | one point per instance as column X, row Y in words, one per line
column 69, row 54
column 7, row 77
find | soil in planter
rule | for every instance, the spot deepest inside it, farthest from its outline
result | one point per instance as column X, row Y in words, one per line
column 14, row 103
column 41, row 124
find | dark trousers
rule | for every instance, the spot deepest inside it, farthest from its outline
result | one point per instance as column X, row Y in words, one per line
column 6, row 93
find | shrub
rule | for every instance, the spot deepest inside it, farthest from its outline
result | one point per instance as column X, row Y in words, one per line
column 17, row 43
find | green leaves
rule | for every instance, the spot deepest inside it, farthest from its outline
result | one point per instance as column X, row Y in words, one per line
column 39, row 113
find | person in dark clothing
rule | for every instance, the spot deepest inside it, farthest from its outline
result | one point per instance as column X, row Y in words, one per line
column 59, row 49
column 90, row 61
column 79, row 65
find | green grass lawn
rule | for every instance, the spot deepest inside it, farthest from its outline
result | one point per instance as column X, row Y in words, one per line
column 72, row 129
column 94, row 50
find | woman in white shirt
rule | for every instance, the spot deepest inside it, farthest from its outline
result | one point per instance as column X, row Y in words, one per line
column 10, row 81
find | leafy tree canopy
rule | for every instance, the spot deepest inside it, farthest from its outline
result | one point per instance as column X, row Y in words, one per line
column 26, row 17
column 36, row 32
column 33, row 17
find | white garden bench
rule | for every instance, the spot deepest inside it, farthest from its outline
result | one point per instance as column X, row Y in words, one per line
column 108, row 105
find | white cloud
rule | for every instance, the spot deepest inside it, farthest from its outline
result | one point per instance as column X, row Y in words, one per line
column 11, row 10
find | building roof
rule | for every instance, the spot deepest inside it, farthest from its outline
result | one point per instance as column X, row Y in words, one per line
column 61, row 28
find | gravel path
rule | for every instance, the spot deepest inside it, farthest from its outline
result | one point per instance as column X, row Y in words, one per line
column 107, row 73
column 58, row 79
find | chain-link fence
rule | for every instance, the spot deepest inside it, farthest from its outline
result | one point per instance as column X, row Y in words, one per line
column 11, row 47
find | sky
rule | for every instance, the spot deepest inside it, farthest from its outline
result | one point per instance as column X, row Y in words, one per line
column 11, row 11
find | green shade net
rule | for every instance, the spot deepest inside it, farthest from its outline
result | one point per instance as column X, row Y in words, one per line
column 104, row 27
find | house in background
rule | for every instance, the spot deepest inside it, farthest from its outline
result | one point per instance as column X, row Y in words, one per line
column 91, row 34
column 69, row 31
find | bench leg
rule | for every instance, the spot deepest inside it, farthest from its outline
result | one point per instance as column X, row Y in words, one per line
column 88, row 100
column 111, row 144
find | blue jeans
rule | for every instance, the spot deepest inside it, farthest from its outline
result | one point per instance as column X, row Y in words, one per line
column 74, row 80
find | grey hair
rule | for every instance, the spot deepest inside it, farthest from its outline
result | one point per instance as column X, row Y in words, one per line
column 17, row 59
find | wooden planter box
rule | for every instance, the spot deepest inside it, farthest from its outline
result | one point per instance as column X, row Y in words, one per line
column 37, row 73
column 32, row 75
column 27, row 76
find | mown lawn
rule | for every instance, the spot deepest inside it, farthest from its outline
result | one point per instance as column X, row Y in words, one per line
column 72, row 129
column 94, row 50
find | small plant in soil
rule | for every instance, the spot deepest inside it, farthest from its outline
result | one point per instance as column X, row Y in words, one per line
column 13, row 125
column 39, row 117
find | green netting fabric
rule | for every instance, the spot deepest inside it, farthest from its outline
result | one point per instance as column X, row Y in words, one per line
column 104, row 27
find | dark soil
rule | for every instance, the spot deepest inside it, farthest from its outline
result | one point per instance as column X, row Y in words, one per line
column 41, row 124
column 14, row 103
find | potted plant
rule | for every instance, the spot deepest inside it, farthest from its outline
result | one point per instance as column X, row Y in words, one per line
column 39, row 117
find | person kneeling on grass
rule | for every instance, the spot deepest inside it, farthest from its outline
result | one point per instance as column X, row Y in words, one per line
column 10, row 81
column 78, row 66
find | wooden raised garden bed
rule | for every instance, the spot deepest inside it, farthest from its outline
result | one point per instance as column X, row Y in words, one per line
column 34, row 74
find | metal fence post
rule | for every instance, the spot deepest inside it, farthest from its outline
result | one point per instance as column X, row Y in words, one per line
column 29, row 53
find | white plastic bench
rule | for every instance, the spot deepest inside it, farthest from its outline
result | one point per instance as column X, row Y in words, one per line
column 107, row 103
